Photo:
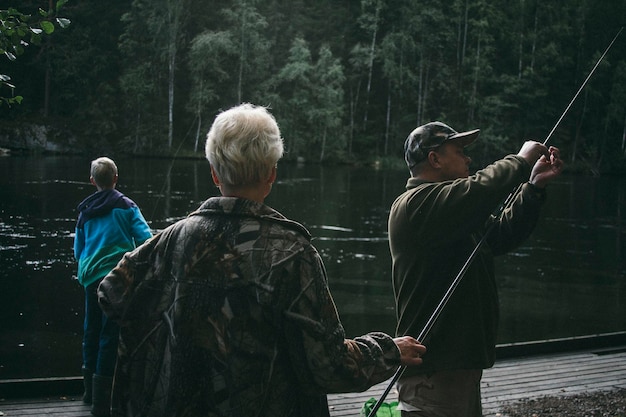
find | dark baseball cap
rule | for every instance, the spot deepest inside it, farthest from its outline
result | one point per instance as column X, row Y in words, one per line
column 430, row 136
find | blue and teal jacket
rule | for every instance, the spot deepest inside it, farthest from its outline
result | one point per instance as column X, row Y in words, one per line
column 109, row 225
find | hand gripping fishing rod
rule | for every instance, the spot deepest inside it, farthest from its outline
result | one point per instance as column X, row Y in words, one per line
column 468, row 262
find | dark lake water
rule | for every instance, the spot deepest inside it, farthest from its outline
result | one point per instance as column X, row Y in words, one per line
column 568, row 280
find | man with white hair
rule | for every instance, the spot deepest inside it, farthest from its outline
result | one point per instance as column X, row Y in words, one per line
column 228, row 312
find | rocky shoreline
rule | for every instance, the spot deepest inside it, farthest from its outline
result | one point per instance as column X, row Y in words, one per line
column 595, row 404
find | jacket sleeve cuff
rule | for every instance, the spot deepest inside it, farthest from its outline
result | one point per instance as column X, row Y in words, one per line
column 535, row 192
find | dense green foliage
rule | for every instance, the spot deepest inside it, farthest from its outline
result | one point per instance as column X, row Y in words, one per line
column 18, row 31
column 347, row 79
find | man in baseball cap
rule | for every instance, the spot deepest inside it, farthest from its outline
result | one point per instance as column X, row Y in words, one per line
column 431, row 136
column 433, row 228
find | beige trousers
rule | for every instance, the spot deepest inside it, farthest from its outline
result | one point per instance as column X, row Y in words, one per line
column 442, row 394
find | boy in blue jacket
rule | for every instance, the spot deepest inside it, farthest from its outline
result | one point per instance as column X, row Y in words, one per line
column 109, row 225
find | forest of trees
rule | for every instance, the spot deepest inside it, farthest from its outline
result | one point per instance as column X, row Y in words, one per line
column 346, row 79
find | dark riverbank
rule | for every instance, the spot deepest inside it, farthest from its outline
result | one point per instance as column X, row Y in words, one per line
column 24, row 139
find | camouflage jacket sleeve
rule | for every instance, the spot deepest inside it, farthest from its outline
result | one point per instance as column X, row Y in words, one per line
column 329, row 361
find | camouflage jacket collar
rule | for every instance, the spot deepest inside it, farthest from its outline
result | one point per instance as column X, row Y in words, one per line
column 233, row 206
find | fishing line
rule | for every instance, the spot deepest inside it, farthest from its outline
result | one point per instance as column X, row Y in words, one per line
column 169, row 170
column 582, row 86
column 459, row 276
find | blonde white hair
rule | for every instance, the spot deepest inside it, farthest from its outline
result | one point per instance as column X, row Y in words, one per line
column 244, row 144
column 103, row 172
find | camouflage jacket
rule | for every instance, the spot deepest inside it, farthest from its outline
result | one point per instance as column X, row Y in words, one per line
column 228, row 313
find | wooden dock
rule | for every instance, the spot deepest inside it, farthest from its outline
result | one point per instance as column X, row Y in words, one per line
column 510, row 380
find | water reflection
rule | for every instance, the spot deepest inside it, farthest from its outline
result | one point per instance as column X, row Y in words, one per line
column 567, row 280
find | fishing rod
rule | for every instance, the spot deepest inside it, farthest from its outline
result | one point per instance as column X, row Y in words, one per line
column 448, row 294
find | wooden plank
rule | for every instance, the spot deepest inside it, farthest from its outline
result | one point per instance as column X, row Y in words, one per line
column 64, row 407
column 561, row 371
column 517, row 379
column 509, row 381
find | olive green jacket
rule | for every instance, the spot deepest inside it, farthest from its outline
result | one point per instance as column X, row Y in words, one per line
column 433, row 228
column 228, row 313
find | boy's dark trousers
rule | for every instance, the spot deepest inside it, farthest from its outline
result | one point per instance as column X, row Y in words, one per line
column 100, row 340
